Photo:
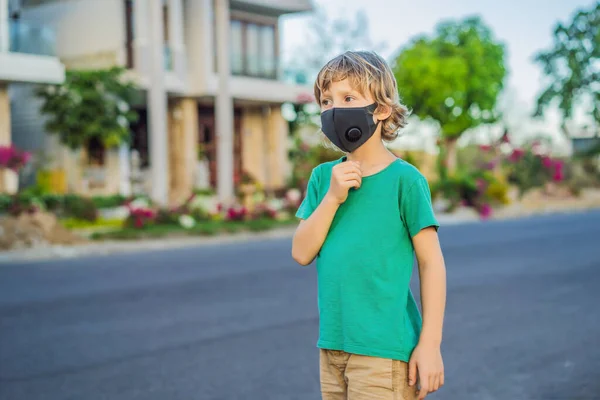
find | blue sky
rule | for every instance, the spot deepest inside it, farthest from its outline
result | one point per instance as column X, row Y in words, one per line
column 525, row 26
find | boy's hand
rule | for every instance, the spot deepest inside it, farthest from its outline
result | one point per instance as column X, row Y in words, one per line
column 344, row 176
column 427, row 361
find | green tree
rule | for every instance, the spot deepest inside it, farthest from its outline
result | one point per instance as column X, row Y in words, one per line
column 88, row 105
column 572, row 66
column 453, row 78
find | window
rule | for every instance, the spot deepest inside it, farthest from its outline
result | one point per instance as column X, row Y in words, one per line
column 237, row 48
column 267, row 50
column 253, row 49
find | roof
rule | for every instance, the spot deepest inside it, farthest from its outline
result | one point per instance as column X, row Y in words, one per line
column 273, row 7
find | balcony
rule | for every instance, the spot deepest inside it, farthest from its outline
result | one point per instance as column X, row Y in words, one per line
column 254, row 67
column 31, row 38
column 28, row 53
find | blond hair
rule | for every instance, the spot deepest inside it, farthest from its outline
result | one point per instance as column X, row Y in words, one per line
column 367, row 73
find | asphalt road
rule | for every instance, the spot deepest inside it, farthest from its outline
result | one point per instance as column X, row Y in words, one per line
column 239, row 321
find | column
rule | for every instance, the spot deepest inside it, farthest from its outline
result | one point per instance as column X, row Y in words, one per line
column 157, row 108
column 124, row 171
column 5, row 138
column 176, row 42
column 4, row 29
column 224, row 106
column 142, row 37
column 183, row 154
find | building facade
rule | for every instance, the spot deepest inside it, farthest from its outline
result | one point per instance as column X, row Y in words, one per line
column 212, row 79
column 27, row 56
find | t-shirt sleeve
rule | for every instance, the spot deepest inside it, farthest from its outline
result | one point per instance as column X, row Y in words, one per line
column 311, row 200
column 416, row 208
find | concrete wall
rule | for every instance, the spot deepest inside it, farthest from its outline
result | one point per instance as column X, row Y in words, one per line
column 199, row 42
column 88, row 32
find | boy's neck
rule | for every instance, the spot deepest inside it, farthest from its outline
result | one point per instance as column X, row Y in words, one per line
column 371, row 154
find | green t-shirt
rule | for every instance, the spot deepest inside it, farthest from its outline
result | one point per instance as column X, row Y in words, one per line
column 365, row 264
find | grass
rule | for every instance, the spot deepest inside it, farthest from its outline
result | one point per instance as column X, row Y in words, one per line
column 205, row 228
column 74, row 223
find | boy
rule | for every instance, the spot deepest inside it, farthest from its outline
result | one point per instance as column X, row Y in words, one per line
column 363, row 219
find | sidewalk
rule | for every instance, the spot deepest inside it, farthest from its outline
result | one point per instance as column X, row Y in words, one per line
column 104, row 248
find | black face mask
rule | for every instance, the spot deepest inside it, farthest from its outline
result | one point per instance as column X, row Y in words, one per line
column 349, row 128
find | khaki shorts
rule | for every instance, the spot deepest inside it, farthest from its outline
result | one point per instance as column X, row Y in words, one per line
column 346, row 376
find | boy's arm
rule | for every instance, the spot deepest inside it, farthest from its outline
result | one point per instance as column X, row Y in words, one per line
column 427, row 358
column 311, row 233
column 432, row 275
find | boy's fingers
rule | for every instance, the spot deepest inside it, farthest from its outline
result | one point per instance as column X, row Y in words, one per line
column 351, row 168
column 351, row 176
column 424, row 389
column 412, row 372
column 425, row 385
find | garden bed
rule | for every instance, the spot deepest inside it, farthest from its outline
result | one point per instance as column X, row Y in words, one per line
column 207, row 228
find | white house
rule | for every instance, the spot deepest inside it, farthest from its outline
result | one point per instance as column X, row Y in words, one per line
column 212, row 76
column 27, row 55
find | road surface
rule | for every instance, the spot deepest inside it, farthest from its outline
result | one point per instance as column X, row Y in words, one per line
column 239, row 321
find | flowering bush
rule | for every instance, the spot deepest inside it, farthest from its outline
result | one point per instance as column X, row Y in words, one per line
column 236, row 213
column 479, row 190
column 528, row 169
column 140, row 214
column 12, row 158
column 187, row 221
column 304, row 158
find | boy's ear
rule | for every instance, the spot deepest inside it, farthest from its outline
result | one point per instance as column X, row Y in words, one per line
column 382, row 112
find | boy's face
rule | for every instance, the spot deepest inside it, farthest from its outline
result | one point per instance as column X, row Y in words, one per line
column 341, row 94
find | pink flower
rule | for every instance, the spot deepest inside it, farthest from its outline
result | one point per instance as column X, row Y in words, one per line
column 485, row 147
column 485, row 211
column 558, row 164
column 491, row 165
column 138, row 222
column 6, row 154
column 558, row 176
column 516, row 155
column 481, row 184
column 305, row 98
column 12, row 158
column 547, row 162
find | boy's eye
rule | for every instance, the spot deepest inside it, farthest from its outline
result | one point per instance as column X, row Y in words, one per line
column 325, row 102
column 348, row 99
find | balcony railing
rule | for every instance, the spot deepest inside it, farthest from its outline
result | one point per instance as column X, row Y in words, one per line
column 31, row 38
column 254, row 67
column 168, row 57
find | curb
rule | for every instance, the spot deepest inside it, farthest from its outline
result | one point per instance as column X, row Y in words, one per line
column 120, row 247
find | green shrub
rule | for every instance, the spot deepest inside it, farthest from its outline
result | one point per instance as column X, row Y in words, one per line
column 5, row 202
column 165, row 216
column 79, row 208
column 108, row 201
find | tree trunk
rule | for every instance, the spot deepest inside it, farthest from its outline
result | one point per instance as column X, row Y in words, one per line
column 451, row 155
